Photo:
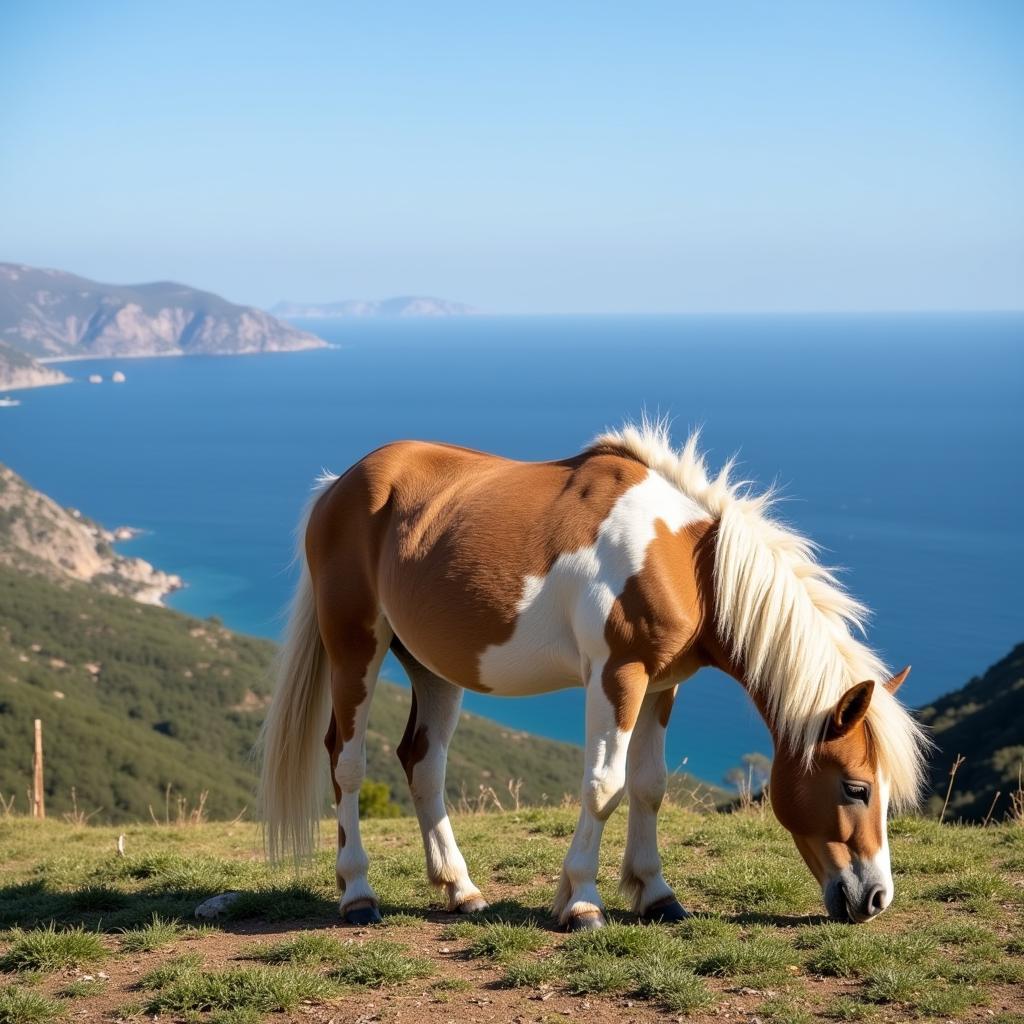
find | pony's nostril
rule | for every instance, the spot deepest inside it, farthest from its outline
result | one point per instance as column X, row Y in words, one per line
column 876, row 901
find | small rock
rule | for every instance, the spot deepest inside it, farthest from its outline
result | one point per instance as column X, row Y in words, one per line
column 216, row 906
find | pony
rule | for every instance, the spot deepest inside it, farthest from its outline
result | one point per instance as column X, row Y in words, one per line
column 623, row 569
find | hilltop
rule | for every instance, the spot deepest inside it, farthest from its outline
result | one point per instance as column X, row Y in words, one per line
column 399, row 306
column 50, row 314
column 983, row 721
column 107, row 937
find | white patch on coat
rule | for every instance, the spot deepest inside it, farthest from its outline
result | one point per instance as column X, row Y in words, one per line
column 561, row 616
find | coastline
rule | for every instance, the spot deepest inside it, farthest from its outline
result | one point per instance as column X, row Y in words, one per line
column 181, row 353
column 155, row 585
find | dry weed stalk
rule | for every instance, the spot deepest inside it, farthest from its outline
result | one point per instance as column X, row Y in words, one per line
column 76, row 816
column 992, row 807
column 952, row 778
column 515, row 787
column 1017, row 798
column 486, row 799
column 183, row 814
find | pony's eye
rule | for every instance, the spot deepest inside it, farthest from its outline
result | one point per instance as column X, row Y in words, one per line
column 859, row 791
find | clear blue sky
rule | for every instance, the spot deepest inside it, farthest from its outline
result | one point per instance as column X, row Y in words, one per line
column 523, row 157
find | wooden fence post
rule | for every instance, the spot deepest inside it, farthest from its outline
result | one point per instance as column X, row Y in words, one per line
column 38, row 801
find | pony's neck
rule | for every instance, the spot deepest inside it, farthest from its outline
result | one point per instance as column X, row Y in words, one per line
column 718, row 656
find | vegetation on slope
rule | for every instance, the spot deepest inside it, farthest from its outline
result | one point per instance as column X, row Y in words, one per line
column 983, row 722
column 94, row 934
column 135, row 699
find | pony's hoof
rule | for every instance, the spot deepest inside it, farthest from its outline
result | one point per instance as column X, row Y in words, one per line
column 362, row 913
column 472, row 905
column 588, row 921
column 665, row 912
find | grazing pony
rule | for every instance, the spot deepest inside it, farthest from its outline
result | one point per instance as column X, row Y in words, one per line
column 624, row 570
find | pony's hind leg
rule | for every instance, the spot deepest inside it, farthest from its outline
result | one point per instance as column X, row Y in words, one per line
column 646, row 777
column 356, row 652
column 424, row 756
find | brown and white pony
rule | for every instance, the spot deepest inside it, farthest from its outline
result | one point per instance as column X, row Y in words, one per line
column 624, row 570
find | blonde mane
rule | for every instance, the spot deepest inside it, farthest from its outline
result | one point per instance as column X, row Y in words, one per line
column 782, row 614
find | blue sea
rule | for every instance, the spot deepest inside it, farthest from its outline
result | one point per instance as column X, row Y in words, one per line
column 897, row 441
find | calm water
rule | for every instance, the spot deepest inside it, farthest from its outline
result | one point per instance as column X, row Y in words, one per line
column 898, row 440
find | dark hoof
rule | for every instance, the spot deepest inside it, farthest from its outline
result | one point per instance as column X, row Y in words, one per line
column 361, row 914
column 472, row 905
column 665, row 911
column 588, row 921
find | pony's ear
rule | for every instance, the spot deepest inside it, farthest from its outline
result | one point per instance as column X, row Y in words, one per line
column 851, row 709
column 897, row 680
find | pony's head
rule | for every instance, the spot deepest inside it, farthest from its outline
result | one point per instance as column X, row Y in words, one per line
column 835, row 806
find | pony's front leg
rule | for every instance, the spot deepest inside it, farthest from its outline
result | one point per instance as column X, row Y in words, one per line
column 642, row 881
column 614, row 696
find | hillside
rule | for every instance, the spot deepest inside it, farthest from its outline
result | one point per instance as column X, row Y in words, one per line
column 53, row 314
column 136, row 698
column 984, row 722
column 18, row 370
column 39, row 537
column 399, row 306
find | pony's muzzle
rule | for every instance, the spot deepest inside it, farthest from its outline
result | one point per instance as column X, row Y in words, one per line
column 851, row 900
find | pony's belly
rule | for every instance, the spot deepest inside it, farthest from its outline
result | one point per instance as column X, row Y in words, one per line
column 518, row 669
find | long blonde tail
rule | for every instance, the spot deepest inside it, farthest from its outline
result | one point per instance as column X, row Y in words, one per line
column 292, row 775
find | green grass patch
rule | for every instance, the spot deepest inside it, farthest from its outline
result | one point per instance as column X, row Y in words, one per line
column 304, row 950
column 850, row 1009
column 677, row 988
column 975, row 891
column 501, row 941
column 525, row 973
column 379, row 963
column 155, row 935
column 171, row 970
column 648, row 962
column 785, row 1010
column 82, row 988
column 18, row 1006
column 255, row 990
column 51, row 949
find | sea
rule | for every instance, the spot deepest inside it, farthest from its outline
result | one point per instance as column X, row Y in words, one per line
column 897, row 443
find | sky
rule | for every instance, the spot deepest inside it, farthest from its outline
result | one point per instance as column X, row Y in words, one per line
column 525, row 158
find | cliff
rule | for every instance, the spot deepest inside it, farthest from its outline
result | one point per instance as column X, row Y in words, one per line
column 39, row 537
column 49, row 314
column 18, row 370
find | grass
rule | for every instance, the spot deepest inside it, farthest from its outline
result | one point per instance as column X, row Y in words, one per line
column 256, row 990
column 51, row 949
column 19, row 1006
column 757, row 945
column 378, row 963
column 503, row 941
column 305, row 950
column 155, row 935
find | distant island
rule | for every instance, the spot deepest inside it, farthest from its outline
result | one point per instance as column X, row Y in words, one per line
column 399, row 306
column 50, row 315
